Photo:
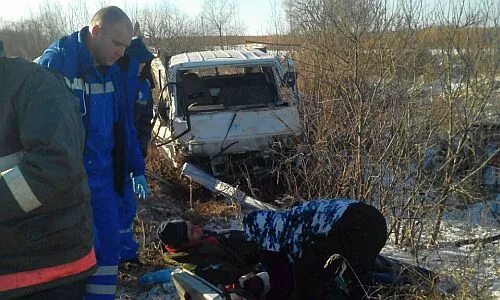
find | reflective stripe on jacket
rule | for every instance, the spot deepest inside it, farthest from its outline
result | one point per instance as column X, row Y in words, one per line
column 45, row 216
column 71, row 58
column 45, row 275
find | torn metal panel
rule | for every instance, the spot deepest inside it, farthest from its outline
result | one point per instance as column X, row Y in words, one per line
column 191, row 286
column 199, row 176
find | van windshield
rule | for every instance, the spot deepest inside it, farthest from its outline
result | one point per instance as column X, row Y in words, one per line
column 227, row 87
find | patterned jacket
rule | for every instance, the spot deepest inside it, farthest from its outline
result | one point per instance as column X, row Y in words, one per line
column 289, row 231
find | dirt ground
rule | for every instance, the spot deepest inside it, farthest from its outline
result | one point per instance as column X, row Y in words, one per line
column 170, row 196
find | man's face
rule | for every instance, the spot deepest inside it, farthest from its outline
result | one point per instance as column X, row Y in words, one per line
column 110, row 42
column 194, row 232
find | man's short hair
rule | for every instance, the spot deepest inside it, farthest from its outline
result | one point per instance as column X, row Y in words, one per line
column 108, row 16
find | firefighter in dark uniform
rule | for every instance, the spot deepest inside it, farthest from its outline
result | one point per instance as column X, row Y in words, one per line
column 46, row 239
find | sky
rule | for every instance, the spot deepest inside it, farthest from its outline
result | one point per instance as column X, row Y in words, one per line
column 254, row 13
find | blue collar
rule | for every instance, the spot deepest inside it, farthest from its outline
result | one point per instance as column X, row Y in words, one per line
column 84, row 57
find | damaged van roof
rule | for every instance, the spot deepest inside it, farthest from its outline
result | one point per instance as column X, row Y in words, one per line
column 220, row 57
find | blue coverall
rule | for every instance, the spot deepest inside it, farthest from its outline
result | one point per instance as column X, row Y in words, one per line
column 127, row 209
column 111, row 149
column 139, row 98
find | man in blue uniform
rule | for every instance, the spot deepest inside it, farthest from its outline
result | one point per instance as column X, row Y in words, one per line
column 138, row 89
column 87, row 59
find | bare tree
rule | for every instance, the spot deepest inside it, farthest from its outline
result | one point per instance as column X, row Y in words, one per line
column 469, row 63
column 77, row 15
column 277, row 24
column 165, row 27
column 28, row 37
column 383, row 85
column 132, row 9
column 221, row 16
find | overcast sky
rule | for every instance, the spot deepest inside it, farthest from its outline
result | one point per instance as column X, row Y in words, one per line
column 254, row 13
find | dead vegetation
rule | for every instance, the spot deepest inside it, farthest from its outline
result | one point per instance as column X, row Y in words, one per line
column 398, row 106
column 169, row 198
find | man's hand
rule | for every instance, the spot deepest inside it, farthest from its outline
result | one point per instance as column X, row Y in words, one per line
column 140, row 186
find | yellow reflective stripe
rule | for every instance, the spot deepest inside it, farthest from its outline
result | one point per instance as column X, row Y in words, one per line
column 101, row 289
column 9, row 161
column 20, row 189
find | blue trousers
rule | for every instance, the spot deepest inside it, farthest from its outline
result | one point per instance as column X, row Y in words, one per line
column 102, row 284
column 127, row 211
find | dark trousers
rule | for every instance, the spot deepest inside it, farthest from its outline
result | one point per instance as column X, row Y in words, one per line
column 358, row 237
column 75, row 290
column 280, row 275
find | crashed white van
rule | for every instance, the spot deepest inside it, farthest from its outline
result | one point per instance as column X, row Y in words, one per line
column 228, row 106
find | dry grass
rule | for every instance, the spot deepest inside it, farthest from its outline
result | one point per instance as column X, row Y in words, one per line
column 168, row 198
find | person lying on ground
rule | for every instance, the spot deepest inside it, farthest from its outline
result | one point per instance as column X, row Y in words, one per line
column 321, row 241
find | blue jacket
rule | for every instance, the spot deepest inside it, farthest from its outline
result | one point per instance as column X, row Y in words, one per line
column 140, row 100
column 111, row 148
